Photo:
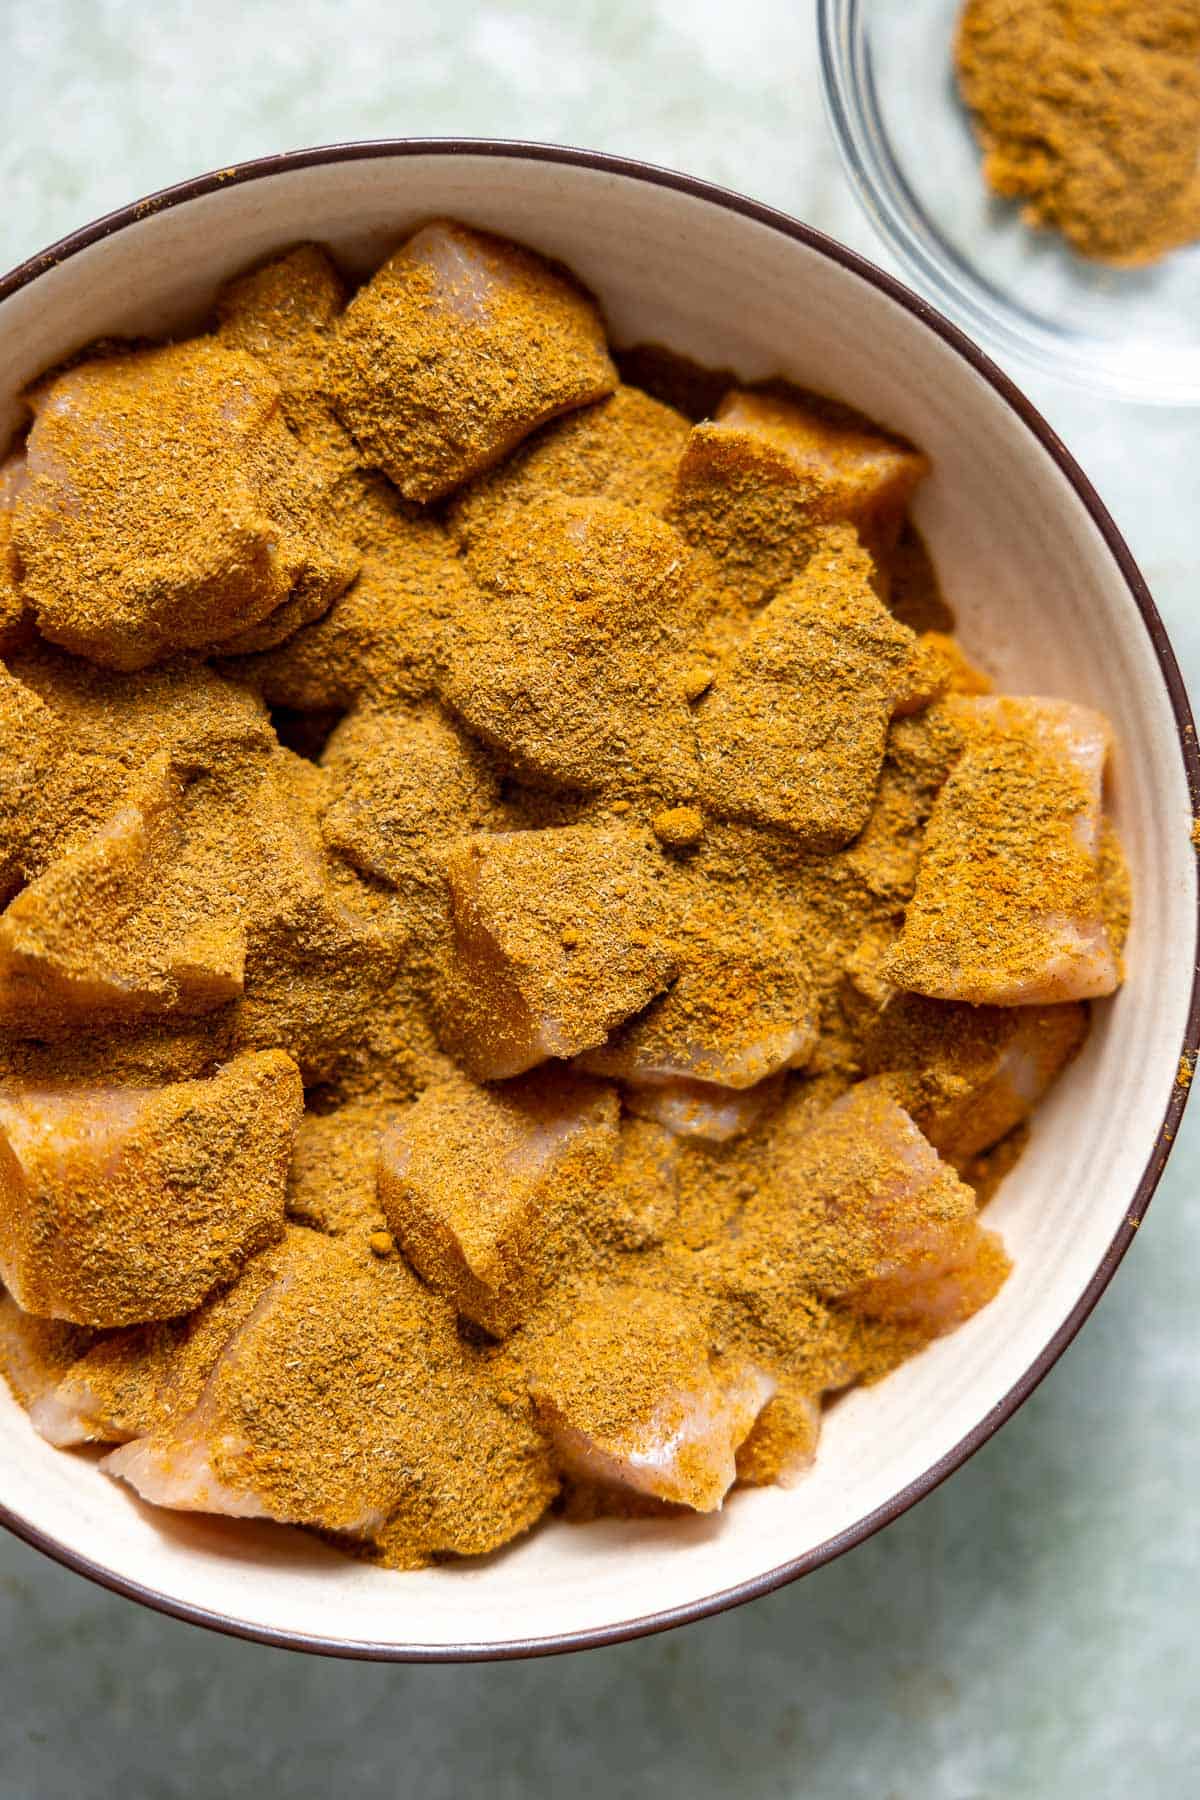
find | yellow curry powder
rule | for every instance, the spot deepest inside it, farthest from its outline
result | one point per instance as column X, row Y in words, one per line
column 1088, row 112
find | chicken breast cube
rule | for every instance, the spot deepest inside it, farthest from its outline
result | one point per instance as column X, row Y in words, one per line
column 124, row 1205
column 106, row 931
column 971, row 1074
column 625, row 448
column 558, row 936
column 491, row 1192
column 459, row 347
column 782, row 1445
column 757, row 485
column 284, row 314
column 167, row 507
column 71, row 734
column 126, row 719
column 36, row 1356
column 344, row 1400
column 403, row 782
column 30, row 743
column 886, row 1227
column 792, row 733
column 380, row 641
column 320, row 959
column 245, row 856
column 124, row 1384
column 632, row 1397
column 80, row 1388
column 741, row 1009
column 864, row 478
column 1008, row 908
column 644, row 1196
column 333, row 1180
column 14, row 622
column 573, row 665
column 701, row 1109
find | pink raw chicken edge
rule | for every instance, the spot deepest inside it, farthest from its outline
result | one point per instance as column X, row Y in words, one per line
column 938, row 951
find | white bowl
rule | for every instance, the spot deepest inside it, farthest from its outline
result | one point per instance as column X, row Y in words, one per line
column 1047, row 596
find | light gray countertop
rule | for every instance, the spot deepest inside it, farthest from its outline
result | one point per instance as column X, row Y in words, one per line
column 1030, row 1629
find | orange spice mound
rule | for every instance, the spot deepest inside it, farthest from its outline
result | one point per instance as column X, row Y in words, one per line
column 1088, row 111
column 525, row 942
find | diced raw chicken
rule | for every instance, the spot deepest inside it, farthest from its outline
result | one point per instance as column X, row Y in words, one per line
column 961, row 675
column 167, row 507
column 631, row 1397
column 14, row 624
column 559, row 935
column 644, row 1194
column 488, row 1189
column 173, row 1462
column 74, row 1413
column 701, row 1109
column 283, row 313
column 333, row 1180
column 456, row 349
column 381, row 640
column 70, row 734
column 863, row 478
column 335, row 1403
column 321, row 961
column 36, row 1356
column 31, row 742
column 80, row 1388
column 883, row 1224
column 927, row 676
column 752, row 1255
column 939, row 1301
column 625, row 448
column 793, row 730
column 182, row 1477
column 970, row 1074
column 186, row 709
column 320, row 957
column 405, row 783
column 757, row 485
column 105, row 931
column 125, row 1205
column 738, row 1011
column 573, row 663
column 127, row 1383
column 1008, row 908
column 65, row 1420
column 782, row 1446
column 1076, row 735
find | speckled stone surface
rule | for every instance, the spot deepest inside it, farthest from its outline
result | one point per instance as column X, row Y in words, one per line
column 1028, row 1632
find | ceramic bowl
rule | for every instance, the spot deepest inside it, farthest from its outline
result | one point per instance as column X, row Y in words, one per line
column 1047, row 597
column 913, row 160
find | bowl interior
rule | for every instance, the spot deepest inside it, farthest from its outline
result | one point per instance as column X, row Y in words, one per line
column 908, row 144
column 1043, row 603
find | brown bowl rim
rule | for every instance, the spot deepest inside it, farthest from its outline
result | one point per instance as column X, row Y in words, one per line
column 709, row 1604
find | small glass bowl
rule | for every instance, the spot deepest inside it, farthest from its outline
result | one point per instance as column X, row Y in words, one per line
column 907, row 143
